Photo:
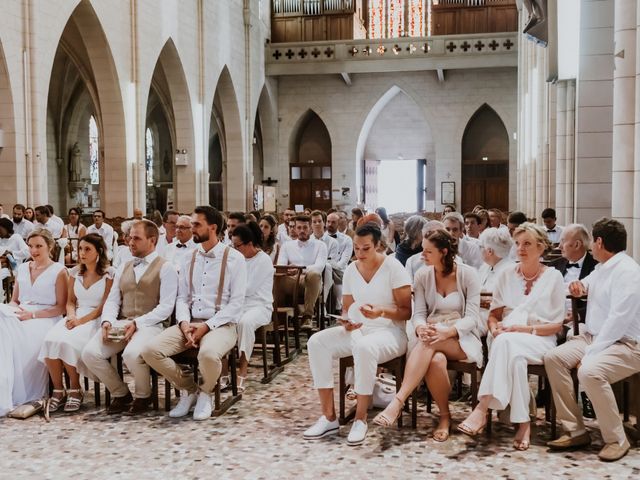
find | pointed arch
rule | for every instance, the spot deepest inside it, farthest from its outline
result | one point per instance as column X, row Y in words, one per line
column 12, row 172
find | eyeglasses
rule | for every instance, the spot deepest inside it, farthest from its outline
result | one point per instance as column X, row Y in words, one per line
column 183, row 228
column 238, row 245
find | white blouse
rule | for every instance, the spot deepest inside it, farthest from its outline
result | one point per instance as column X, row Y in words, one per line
column 260, row 272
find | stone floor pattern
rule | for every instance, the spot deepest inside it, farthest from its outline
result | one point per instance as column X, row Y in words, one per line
column 260, row 437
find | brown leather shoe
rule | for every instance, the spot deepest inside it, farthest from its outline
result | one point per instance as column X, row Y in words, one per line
column 306, row 322
column 566, row 442
column 119, row 404
column 613, row 451
column 139, row 405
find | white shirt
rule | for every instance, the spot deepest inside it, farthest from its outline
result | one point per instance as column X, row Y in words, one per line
column 106, row 232
column 613, row 307
column 488, row 274
column 177, row 252
column 469, row 251
column 413, row 264
column 345, row 251
column 573, row 273
column 168, row 289
column 15, row 244
column 332, row 246
column 56, row 219
column 282, row 235
column 201, row 302
column 54, row 227
column 311, row 254
column 260, row 282
column 122, row 255
column 554, row 233
column 23, row 228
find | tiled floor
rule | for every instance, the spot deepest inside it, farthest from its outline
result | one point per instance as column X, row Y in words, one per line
column 260, row 438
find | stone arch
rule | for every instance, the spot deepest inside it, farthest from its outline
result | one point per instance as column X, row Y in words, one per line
column 485, row 161
column 310, row 163
column 169, row 85
column 235, row 171
column 83, row 76
column 12, row 169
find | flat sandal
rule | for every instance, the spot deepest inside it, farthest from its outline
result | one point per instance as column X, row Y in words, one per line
column 55, row 402
column 382, row 420
column 73, row 403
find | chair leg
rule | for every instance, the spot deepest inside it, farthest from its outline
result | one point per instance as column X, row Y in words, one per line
column 474, row 389
column 414, row 408
column 489, row 423
column 398, row 373
column 625, row 400
column 234, row 372
column 154, row 390
column 342, row 392
column 167, row 395
column 96, row 392
column 265, row 363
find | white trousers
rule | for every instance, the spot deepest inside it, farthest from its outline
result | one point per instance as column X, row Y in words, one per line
column 369, row 347
column 505, row 377
column 327, row 281
column 252, row 319
column 97, row 357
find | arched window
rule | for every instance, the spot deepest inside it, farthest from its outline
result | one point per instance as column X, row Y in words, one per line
column 94, row 163
column 149, row 156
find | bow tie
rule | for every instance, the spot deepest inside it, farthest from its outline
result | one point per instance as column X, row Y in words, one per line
column 333, row 235
column 208, row 254
column 573, row 265
column 553, row 230
column 180, row 245
column 139, row 261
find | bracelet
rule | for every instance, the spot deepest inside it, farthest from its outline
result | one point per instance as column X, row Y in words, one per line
column 33, row 315
column 382, row 314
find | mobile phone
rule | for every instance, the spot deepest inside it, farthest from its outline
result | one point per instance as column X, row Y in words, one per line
column 339, row 317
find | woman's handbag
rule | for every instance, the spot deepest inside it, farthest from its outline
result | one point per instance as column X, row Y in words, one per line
column 27, row 410
column 384, row 390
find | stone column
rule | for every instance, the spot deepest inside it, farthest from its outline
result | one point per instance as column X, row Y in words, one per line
column 624, row 78
column 636, row 160
column 570, row 152
column 561, row 138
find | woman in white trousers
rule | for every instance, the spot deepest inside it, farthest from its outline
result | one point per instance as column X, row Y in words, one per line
column 526, row 313
column 376, row 303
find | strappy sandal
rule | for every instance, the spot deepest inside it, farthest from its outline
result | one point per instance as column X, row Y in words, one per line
column 467, row 430
column 351, row 394
column 241, row 385
column 442, row 435
column 383, row 420
column 225, row 383
column 521, row 445
column 55, row 402
column 73, row 403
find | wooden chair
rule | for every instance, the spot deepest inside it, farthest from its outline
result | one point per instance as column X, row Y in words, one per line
column 273, row 328
column 289, row 313
column 7, row 283
column 396, row 366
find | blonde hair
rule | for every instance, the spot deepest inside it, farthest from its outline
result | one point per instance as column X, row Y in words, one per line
column 536, row 231
column 45, row 235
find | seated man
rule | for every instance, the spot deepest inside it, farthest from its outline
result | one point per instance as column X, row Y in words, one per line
column 142, row 296
column 340, row 262
column 180, row 250
column 468, row 248
column 210, row 301
column 608, row 350
column 283, row 228
column 105, row 230
column 305, row 252
column 44, row 220
column 233, row 220
column 168, row 230
column 554, row 231
column 21, row 225
column 318, row 222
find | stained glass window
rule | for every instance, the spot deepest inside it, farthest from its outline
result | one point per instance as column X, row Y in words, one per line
column 377, row 16
column 94, row 163
column 397, row 18
column 416, row 16
column 149, row 156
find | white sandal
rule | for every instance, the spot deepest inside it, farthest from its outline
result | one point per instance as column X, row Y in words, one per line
column 241, row 386
column 73, row 403
column 55, row 402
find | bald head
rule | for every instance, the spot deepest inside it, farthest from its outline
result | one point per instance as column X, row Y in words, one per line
column 574, row 242
column 137, row 214
column 333, row 221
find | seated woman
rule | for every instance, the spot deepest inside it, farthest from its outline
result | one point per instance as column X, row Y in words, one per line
column 12, row 243
column 38, row 302
column 377, row 302
column 258, row 300
column 74, row 230
column 89, row 285
column 270, row 245
column 526, row 312
column 412, row 242
column 447, row 305
column 496, row 244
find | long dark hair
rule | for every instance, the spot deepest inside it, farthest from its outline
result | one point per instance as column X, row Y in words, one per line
column 269, row 242
column 77, row 211
column 98, row 243
column 444, row 240
column 382, row 213
column 249, row 233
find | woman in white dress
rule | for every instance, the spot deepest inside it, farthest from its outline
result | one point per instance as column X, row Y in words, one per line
column 526, row 313
column 377, row 302
column 39, row 299
column 88, row 286
column 258, row 300
column 388, row 229
column 74, row 230
column 446, row 317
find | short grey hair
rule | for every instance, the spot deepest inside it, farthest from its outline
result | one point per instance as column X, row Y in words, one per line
column 126, row 226
column 184, row 217
column 432, row 226
column 456, row 217
column 498, row 240
column 413, row 228
column 580, row 232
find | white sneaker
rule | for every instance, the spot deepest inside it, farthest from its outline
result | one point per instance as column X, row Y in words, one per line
column 203, row 407
column 321, row 428
column 358, row 433
column 184, row 404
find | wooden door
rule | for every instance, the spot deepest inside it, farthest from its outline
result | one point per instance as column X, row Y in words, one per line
column 473, row 193
column 300, row 193
column 497, row 193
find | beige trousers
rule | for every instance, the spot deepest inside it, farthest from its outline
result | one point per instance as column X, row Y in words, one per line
column 97, row 354
column 596, row 374
column 214, row 345
column 310, row 285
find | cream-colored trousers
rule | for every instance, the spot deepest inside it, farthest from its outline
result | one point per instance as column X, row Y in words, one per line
column 214, row 345
column 596, row 374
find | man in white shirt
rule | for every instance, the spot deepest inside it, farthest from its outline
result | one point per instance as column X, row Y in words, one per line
column 283, row 228
column 43, row 220
column 180, row 250
column 495, row 218
column 306, row 252
column 11, row 243
column 142, row 296
column 233, row 220
column 345, row 251
column 210, row 299
column 608, row 350
column 468, row 248
column 169, row 222
column 104, row 230
column 2, row 214
column 21, row 225
column 54, row 217
column 318, row 221
column 472, row 225
column 554, row 231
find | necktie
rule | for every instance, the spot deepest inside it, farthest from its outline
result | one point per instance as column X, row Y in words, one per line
column 180, row 245
column 573, row 265
column 138, row 261
column 334, row 235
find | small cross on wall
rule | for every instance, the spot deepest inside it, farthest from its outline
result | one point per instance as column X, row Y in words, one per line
column 493, row 45
column 290, row 54
column 277, row 54
column 451, row 47
column 465, row 46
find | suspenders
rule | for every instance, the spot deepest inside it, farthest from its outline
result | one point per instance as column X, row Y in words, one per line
column 223, row 269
